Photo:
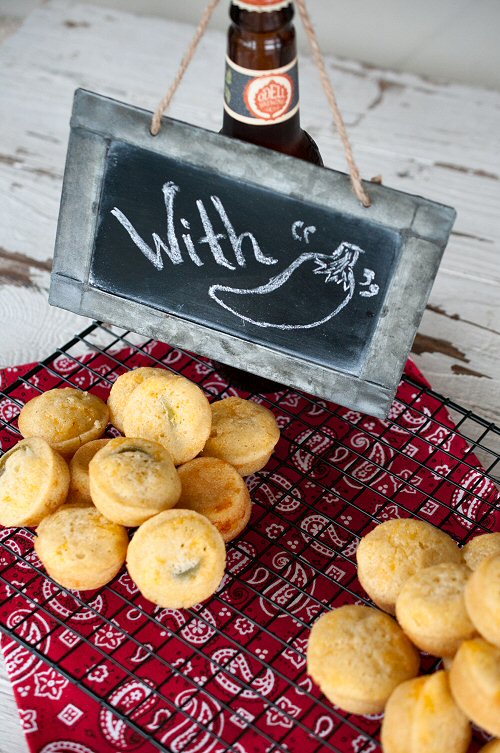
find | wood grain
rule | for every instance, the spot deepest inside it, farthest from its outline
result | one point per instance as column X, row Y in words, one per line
column 12, row 739
column 441, row 141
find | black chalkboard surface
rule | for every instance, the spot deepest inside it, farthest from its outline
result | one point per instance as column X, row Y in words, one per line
column 242, row 254
column 240, row 259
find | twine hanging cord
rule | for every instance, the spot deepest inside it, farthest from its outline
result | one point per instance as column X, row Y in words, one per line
column 164, row 104
column 330, row 95
column 325, row 80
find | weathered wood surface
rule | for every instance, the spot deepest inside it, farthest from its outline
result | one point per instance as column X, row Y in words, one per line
column 437, row 140
column 12, row 739
column 440, row 141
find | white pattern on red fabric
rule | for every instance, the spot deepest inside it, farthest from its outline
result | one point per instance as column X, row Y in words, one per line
column 159, row 719
column 297, row 657
column 177, row 615
column 336, row 572
column 66, row 746
column 22, row 544
column 131, row 695
column 49, row 684
column 360, row 744
column 387, row 512
column 282, row 714
column 243, row 626
column 195, row 734
column 28, row 720
column 430, row 508
column 65, row 365
column 273, row 493
column 287, row 593
column 274, row 530
column 366, row 469
column 142, row 653
column 70, row 714
column 173, row 357
column 109, row 637
column 468, row 498
column 339, row 455
column 126, row 581
column 290, row 401
column 237, row 673
column 20, row 663
column 318, row 525
column 9, row 410
column 317, row 408
column 199, row 630
column 258, row 576
column 312, row 445
column 66, row 605
column 242, row 718
column 238, row 559
column 324, row 725
column 69, row 638
column 99, row 674
column 283, row 421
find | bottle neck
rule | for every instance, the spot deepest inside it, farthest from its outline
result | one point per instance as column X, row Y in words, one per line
column 261, row 92
column 257, row 18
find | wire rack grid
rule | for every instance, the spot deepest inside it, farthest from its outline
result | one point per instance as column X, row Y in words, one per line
column 230, row 674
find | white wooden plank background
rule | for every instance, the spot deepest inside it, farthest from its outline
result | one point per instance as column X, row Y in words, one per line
column 441, row 141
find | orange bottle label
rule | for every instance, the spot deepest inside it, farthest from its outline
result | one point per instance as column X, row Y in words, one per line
column 261, row 97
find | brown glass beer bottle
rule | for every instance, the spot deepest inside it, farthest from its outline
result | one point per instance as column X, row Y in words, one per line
column 261, row 92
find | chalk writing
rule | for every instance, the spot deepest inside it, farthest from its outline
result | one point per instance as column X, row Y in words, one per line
column 297, row 227
column 337, row 267
column 373, row 288
column 172, row 249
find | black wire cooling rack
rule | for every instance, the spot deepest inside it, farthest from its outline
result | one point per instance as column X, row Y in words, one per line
column 230, row 674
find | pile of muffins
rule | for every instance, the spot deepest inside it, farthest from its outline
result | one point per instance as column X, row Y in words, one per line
column 446, row 601
column 176, row 476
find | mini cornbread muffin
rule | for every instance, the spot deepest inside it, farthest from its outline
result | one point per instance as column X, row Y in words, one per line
column 394, row 551
column 422, row 717
column 123, row 388
column 243, row 433
column 80, row 548
column 491, row 747
column 475, row 683
column 358, row 656
column 215, row 489
column 133, row 479
column 34, row 481
column 66, row 418
column 177, row 559
column 171, row 410
column 431, row 608
column 481, row 548
column 79, row 485
column 482, row 599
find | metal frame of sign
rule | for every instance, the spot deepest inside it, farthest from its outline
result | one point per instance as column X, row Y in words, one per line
column 424, row 227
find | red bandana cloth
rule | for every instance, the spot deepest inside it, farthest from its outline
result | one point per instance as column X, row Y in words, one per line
column 230, row 674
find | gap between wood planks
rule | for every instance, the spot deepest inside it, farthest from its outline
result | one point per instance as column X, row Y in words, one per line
column 457, row 318
column 426, row 344
column 15, row 269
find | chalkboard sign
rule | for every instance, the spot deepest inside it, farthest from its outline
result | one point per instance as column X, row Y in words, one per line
column 241, row 254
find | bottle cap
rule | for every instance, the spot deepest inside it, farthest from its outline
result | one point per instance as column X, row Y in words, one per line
column 261, row 5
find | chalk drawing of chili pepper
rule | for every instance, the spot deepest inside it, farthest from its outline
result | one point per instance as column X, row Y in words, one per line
column 337, row 269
